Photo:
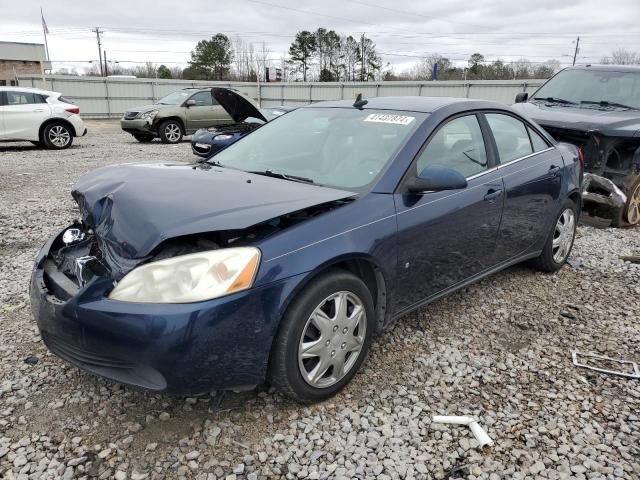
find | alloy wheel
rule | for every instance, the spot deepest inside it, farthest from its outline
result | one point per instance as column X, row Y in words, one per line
column 59, row 136
column 563, row 235
column 633, row 207
column 172, row 132
column 332, row 339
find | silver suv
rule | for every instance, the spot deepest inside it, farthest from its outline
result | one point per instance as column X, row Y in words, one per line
column 179, row 113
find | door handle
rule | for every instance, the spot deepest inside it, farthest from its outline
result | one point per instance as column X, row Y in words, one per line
column 493, row 194
column 554, row 171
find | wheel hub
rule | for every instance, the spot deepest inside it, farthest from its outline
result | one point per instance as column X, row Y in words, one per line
column 332, row 339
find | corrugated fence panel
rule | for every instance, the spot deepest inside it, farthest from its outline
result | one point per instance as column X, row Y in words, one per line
column 111, row 97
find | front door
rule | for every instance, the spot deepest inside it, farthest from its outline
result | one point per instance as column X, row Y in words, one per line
column 206, row 112
column 447, row 237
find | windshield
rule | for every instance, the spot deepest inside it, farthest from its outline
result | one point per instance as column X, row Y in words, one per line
column 597, row 86
column 339, row 147
column 174, row 98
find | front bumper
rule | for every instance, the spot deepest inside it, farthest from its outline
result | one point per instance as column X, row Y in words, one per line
column 138, row 125
column 602, row 197
column 206, row 143
column 178, row 348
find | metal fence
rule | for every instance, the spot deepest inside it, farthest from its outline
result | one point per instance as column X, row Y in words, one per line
column 111, row 97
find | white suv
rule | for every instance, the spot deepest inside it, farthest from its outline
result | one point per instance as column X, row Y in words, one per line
column 44, row 118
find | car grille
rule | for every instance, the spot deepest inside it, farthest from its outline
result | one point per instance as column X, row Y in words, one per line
column 77, row 355
column 130, row 115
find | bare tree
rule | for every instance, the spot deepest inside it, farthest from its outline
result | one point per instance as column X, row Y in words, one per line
column 622, row 57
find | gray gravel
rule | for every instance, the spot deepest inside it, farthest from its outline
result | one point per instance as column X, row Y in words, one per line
column 499, row 351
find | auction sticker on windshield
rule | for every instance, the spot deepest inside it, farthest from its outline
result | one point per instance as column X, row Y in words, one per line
column 389, row 118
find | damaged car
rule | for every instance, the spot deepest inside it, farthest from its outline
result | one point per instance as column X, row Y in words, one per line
column 207, row 142
column 279, row 259
column 597, row 108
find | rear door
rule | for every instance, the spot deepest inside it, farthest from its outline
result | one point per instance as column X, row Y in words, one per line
column 532, row 174
column 206, row 112
column 447, row 237
column 23, row 114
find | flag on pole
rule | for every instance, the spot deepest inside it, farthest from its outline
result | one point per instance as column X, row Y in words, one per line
column 44, row 24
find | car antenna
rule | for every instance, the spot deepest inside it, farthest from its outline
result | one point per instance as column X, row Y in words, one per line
column 359, row 103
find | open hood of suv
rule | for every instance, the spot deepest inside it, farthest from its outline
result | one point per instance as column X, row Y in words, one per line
column 237, row 106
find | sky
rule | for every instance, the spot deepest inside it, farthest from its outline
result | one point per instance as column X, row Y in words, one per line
column 404, row 31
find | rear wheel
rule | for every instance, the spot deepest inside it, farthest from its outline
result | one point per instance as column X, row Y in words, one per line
column 560, row 241
column 630, row 214
column 170, row 131
column 57, row 136
column 143, row 138
column 323, row 338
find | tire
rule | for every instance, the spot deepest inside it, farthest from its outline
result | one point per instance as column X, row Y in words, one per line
column 171, row 131
column 142, row 137
column 57, row 136
column 629, row 215
column 292, row 374
column 561, row 237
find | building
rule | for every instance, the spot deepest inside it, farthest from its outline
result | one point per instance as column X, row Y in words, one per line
column 19, row 59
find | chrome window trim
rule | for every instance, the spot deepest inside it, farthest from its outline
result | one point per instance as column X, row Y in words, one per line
column 502, row 165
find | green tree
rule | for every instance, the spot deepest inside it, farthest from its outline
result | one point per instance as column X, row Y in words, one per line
column 475, row 65
column 302, row 48
column 211, row 59
column 164, row 72
column 369, row 60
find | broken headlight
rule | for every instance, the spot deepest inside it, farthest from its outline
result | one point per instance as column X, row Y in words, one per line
column 190, row 278
column 150, row 114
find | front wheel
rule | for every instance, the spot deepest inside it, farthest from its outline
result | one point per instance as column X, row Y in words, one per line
column 560, row 241
column 170, row 131
column 630, row 213
column 57, row 136
column 323, row 339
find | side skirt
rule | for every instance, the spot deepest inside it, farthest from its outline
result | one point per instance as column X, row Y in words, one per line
column 462, row 284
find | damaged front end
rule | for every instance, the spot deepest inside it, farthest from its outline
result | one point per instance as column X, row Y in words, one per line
column 612, row 166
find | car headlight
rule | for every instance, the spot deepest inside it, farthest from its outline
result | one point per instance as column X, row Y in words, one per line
column 190, row 278
column 150, row 114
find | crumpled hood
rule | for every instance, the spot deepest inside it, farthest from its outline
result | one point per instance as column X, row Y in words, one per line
column 133, row 208
column 611, row 122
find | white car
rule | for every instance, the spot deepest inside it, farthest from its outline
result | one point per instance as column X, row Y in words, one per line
column 44, row 118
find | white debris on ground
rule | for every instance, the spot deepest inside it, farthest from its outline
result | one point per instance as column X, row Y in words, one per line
column 499, row 351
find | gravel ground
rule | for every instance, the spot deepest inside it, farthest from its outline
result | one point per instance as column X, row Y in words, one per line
column 499, row 351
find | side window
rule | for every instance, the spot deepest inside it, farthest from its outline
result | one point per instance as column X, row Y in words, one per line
column 511, row 137
column 458, row 145
column 537, row 141
column 203, row 99
column 23, row 98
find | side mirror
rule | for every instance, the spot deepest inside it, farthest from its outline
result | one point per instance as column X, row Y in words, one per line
column 522, row 97
column 435, row 179
column 190, row 103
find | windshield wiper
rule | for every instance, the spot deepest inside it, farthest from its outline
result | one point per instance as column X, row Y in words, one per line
column 284, row 176
column 605, row 103
column 556, row 100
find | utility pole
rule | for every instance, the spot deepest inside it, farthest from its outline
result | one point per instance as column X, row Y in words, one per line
column 45, row 30
column 98, row 32
column 106, row 71
column 575, row 53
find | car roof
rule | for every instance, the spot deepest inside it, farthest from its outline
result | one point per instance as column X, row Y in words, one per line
column 413, row 104
column 28, row 89
column 605, row 68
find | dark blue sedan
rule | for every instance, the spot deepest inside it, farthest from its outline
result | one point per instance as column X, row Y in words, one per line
column 280, row 258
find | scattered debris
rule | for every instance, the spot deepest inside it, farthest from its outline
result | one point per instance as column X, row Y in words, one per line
column 481, row 436
column 31, row 360
column 574, row 263
column 629, row 369
column 460, row 471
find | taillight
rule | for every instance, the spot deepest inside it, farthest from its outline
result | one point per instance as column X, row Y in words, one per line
column 73, row 110
column 581, row 157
